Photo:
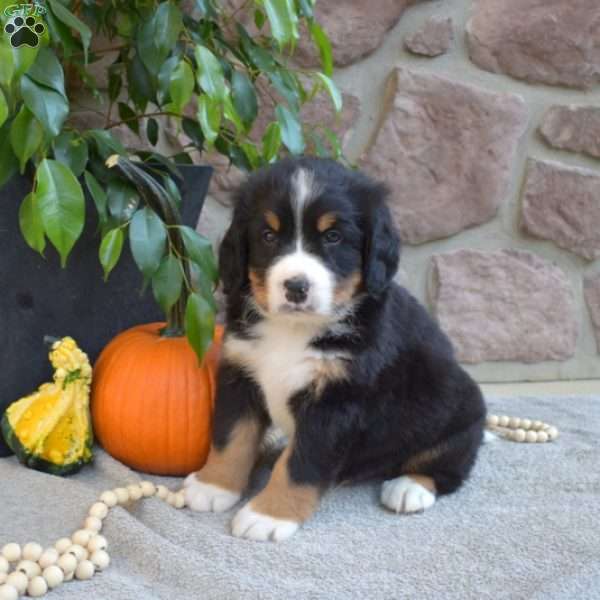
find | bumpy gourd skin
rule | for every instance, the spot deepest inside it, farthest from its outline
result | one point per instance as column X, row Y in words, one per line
column 50, row 430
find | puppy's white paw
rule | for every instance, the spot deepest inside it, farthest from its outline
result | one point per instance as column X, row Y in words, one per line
column 255, row 526
column 405, row 495
column 206, row 497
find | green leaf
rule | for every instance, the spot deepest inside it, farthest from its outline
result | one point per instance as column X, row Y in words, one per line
column 181, row 87
column 231, row 114
column 26, row 136
column 98, row 196
column 283, row 19
column 201, row 285
column 158, row 35
column 72, row 150
column 259, row 18
column 164, row 77
column 199, row 250
column 3, row 108
column 123, row 200
column 210, row 73
column 152, row 131
column 110, row 250
column 323, row 45
column 127, row 115
column 9, row 164
column 254, row 157
column 47, row 71
column 287, row 86
column 115, row 83
column 271, row 142
column 30, row 222
column 61, row 204
column 244, row 97
column 261, row 59
column 141, row 86
column 334, row 142
column 209, row 115
column 172, row 189
column 193, row 130
column 333, row 91
column 7, row 65
column 291, row 130
column 69, row 19
column 207, row 8
column 147, row 238
column 199, row 324
column 48, row 106
column 106, row 142
column 167, row 282
column 306, row 7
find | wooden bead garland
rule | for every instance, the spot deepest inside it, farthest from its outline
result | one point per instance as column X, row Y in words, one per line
column 38, row 570
column 521, row 430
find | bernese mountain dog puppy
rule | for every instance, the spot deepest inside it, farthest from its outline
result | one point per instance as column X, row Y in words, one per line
column 322, row 343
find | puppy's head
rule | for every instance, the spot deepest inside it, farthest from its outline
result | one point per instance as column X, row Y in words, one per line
column 307, row 237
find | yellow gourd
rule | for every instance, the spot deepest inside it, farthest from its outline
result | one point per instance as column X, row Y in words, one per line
column 50, row 430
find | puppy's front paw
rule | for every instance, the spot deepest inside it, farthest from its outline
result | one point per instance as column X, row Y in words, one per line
column 252, row 525
column 206, row 497
column 405, row 495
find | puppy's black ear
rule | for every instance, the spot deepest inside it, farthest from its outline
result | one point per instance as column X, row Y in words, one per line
column 233, row 254
column 381, row 249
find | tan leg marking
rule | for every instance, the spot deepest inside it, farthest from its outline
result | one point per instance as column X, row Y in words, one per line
column 328, row 370
column 284, row 499
column 230, row 467
column 422, row 459
column 427, row 482
column 259, row 289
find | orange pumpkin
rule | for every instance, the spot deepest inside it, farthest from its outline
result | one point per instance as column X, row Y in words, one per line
column 152, row 403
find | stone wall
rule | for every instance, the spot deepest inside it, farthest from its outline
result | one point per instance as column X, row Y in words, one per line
column 483, row 116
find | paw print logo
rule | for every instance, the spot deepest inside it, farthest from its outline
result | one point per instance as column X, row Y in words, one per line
column 24, row 31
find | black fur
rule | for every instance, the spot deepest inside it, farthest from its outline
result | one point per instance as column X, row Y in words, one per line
column 407, row 393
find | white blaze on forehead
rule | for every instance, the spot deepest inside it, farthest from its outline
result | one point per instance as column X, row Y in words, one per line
column 303, row 191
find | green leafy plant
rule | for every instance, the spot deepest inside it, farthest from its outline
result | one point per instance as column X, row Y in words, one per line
column 221, row 71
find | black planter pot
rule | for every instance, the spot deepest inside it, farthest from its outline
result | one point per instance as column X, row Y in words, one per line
column 38, row 298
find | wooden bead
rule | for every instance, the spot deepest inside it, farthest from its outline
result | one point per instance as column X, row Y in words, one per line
column 69, row 576
column 99, row 510
column 519, row 435
column 32, row 551
column 37, row 587
column 542, row 436
column 552, row 433
column 11, row 552
column 93, row 524
column 135, row 492
column 67, row 562
column 492, row 420
column 171, row 499
column 109, row 498
column 526, row 424
column 30, row 568
column 101, row 559
column 53, row 575
column 179, row 500
column 8, row 592
column 162, row 492
column 18, row 580
column 4, row 566
column 85, row 570
column 503, row 421
column 78, row 551
column 98, row 542
column 122, row 495
column 62, row 545
column 81, row 537
column 148, row 488
column 514, row 422
column 48, row 558
column 531, row 437
column 537, row 425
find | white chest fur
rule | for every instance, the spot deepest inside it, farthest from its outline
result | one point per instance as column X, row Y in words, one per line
column 281, row 362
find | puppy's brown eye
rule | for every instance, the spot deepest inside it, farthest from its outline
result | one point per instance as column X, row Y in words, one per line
column 269, row 236
column 332, row 236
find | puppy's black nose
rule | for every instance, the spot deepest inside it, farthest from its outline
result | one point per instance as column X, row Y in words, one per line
column 296, row 289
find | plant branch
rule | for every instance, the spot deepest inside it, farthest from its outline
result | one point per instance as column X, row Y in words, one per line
column 161, row 113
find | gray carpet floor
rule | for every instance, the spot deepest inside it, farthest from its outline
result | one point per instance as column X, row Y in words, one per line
column 527, row 525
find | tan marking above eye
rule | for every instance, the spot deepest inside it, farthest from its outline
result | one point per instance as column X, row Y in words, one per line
column 272, row 220
column 324, row 222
